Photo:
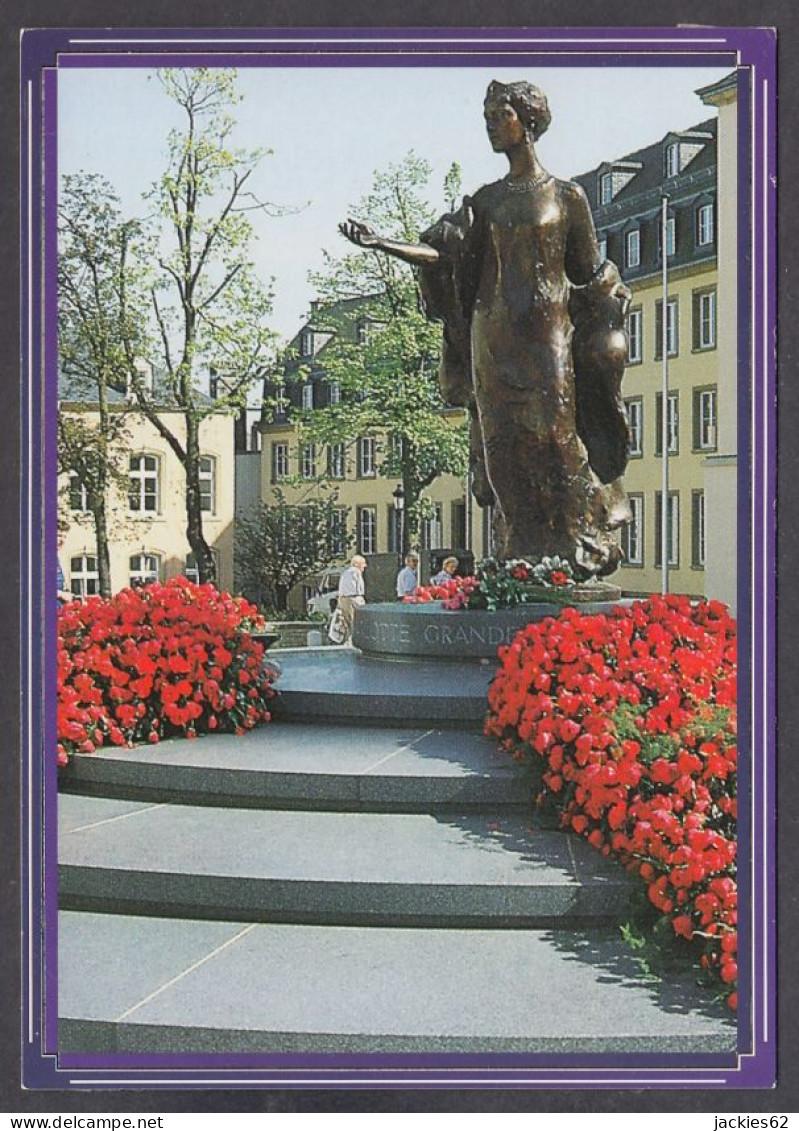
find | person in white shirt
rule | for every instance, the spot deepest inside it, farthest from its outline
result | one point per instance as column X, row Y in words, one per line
column 407, row 578
column 351, row 591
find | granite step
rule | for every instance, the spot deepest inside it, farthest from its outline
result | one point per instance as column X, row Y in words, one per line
column 247, row 988
column 293, row 765
column 324, row 685
column 452, row 869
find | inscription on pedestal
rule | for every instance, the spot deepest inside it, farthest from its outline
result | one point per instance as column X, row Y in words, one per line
column 431, row 631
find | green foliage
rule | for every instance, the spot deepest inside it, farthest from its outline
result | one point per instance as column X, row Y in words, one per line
column 208, row 303
column 388, row 372
column 285, row 543
column 102, row 307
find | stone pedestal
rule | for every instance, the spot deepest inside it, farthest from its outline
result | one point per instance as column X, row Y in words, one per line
column 428, row 631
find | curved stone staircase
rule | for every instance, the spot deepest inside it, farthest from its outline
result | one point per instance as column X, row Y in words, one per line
column 326, row 886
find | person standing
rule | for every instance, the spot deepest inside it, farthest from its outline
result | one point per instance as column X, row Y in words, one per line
column 351, row 592
column 408, row 577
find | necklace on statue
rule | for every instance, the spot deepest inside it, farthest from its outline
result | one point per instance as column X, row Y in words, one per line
column 526, row 186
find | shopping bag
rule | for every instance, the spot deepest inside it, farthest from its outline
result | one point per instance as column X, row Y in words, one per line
column 337, row 629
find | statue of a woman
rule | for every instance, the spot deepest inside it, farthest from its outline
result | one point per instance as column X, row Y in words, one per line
column 534, row 346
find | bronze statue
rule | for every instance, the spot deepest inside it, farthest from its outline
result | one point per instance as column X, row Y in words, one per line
column 534, row 346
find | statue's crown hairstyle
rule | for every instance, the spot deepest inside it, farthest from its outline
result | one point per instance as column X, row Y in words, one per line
column 529, row 102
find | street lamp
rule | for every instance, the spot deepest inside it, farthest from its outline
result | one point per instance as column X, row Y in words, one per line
column 398, row 495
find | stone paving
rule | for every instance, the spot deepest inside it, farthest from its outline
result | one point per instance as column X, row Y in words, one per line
column 348, row 887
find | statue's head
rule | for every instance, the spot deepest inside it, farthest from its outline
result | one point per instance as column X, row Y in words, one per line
column 529, row 102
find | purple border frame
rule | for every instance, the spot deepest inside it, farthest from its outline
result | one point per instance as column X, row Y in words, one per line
column 753, row 52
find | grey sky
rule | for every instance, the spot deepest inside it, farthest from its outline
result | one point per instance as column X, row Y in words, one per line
column 329, row 129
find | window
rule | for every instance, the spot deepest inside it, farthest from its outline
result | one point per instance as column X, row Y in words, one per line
column 704, row 312
column 671, row 163
column 366, row 457
column 632, row 248
column 672, row 327
column 671, row 237
column 606, row 188
column 144, row 568
column 704, row 429
column 635, row 420
column 280, row 404
column 602, row 244
column 84, row 577
column 705, row 225
column 334, row 393
column 367, row 530
column 635, row 335
column 213, row 385
column 192, row 573
column 306, row 343
column 632, row 533
column 255, row 438
column 308, row 461
column 143, row 488
column 338, row 532
column 698, row 529
column 672, row 423
column 672, row 528
column 307, row 395
column 432, row 532
column 394, row 527
column 280, row 462
column 78, row 495
column 208, row 484
column 336, row 466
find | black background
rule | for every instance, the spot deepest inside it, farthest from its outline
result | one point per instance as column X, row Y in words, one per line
column 781, row 14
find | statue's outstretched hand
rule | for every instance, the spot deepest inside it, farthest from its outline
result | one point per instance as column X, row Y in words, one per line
column 359, row 234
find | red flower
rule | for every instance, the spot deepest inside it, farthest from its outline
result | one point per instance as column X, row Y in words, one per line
column 633, row 715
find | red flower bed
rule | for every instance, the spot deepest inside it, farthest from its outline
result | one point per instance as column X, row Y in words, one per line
column 156, row 662
column 634, row 717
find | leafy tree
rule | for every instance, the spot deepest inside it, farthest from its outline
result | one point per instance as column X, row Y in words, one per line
column 283, row 543
column 207, row 304
column 387, row 374
column 101, row 311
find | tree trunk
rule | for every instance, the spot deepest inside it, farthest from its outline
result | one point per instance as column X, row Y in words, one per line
column 101, row 537
column 194, row 517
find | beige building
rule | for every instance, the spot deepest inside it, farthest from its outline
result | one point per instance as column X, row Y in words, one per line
column 626, row 197
column 721, row 466
column 147, row 517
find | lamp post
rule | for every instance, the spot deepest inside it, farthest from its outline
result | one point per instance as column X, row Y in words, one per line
column 398, row 495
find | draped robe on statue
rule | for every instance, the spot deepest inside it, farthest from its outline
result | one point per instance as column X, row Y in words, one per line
column 534, row 347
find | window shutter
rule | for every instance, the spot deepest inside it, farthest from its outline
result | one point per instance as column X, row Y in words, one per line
column 658, row 424
column 696, row 321
column 658, row 329
column 697, row 419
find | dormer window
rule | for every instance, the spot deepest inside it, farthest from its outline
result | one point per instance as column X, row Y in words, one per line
column 144, row 378
column 306, row 343
column 606, row 188
column 632, row 248
column 307, row 395
column 672, row 160
column 616, row 177
column 705, row 226
column 671, row 237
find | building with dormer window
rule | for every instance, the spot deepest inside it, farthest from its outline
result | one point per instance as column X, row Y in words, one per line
column 628, row 192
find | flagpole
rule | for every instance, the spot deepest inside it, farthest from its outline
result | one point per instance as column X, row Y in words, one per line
column 664, row 443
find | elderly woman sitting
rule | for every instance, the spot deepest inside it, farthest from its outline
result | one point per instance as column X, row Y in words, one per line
column 446, row 573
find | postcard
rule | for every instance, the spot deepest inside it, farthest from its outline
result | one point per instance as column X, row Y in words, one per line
column 399, row 463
